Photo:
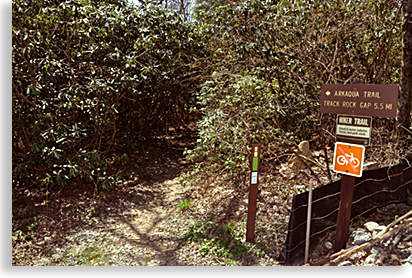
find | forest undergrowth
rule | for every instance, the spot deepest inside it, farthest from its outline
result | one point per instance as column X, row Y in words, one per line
column 120, row 108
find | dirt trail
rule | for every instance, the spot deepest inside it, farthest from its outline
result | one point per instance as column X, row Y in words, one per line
column 131, row 225
column 149, row 229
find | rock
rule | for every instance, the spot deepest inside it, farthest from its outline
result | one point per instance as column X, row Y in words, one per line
column 407, row 264
column 407, row 238
column 409, row 259
column 401, row 245
column 371, row 259
column 345, row 263
column 360, row 236
column 354, row 256
column 380, row 228
column 328, row 245
column 371, row 226
column 375, row 250
column 394, row 257
column 295, row 162
column 377, row 230
column 397, row 239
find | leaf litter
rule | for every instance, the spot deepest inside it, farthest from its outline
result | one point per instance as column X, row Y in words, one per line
column 157, row 220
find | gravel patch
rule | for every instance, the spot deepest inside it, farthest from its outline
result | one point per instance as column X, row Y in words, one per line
column 395, row 250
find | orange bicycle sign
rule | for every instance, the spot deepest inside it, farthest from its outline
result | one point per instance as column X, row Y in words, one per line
column 348, row 159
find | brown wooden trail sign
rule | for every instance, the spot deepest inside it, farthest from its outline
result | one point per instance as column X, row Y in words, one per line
column 360, row 99
column 356, row 100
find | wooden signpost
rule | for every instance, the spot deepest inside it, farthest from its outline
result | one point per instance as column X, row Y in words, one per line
column 354, row 101
column 347, row 160
column 253, row 191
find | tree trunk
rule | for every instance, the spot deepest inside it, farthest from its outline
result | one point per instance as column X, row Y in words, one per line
column 405, row 97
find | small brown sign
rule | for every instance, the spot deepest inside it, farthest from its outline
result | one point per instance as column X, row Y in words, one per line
column 353, row 129
column 360, row 99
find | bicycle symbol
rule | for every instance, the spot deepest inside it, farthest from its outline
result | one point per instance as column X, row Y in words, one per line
column 342, row 160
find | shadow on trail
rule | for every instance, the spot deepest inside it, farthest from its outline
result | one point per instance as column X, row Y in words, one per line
column 73, row 208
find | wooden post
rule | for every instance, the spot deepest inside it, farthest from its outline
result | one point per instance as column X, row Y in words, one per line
column 253, row 191
column 345, row 206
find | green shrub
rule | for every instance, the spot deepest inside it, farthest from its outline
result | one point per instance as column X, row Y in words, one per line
column 227, row 244
column 237, row 110
column 92, row 77
column 184, row 205
column 198, row 230
column 269, row 61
